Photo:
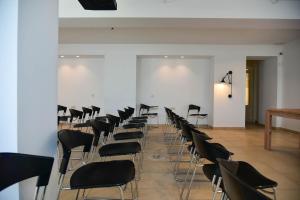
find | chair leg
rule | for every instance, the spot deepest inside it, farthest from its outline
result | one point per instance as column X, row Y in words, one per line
column 217, row 188
column 77, row 195
column 185, row 179
column 191, row 182
column 36, row 193
column 121, row 192
column 132, row 193
column 274, row 193
column 136, row 189
column 44, row 192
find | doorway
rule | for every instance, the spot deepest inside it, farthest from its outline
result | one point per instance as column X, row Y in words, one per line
column 261, row 88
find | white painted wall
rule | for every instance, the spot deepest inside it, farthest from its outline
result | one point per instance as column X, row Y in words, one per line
column 267, row 87
column 81, row 82
column 257, row 9
column 230, row 112
column 173, row 82
column 119, row 80
column 120, row 73
column 290, row 81
column 8, row 84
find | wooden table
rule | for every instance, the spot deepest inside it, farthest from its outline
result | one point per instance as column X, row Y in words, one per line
column 287, row 113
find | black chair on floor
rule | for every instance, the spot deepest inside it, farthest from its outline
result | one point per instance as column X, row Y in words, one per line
column 16, row 167
column 94, row 174
column 109, row 149
column 86, row 111
column 96, row 111
column 145, row 111
column 204, row 150
column 248, row 174
column 196, row 115
column 63, row 117
column 235, row 187
column 75, row 115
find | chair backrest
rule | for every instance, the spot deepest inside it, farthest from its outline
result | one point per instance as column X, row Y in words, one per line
column 75, row 114
column 86, row 111
column 113, row 119
column 96, row 110
column 235, row 188
column 194, row 107
column 61, row 108
column 186, row 130
column 144, row 107
column 201, row 145
column 131, row 110
column 16, row 167
column 69, row 140
column 122, row 115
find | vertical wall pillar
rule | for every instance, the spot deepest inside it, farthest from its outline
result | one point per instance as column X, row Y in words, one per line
column 29, row 45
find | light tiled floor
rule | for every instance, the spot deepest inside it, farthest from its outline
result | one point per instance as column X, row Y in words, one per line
column 157, row 181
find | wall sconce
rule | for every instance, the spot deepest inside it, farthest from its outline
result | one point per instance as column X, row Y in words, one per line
column 227, row 79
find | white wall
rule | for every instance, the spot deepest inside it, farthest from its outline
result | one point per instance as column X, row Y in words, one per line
column 173, row 82
column 267, row 87
column 80, row 82
column 8, row 84
column 290, row 81
column 120, row 73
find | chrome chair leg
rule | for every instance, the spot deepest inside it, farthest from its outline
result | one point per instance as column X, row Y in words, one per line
column 77, row 195
column 217, row 188
column 36, row 193
column 191, row 182
column 186, row 176
column 44, row 192
column 121, row 192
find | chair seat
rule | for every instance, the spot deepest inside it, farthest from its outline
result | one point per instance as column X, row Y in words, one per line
column 142, row 117
column 129, row 135
column 63, row 118
column 134, row 125
column 138, row 121
column 117, row 149
column 103, row 174
column 149, row 114
column 198, row 115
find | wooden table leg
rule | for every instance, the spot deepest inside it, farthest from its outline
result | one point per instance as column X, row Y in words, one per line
column 268, row 130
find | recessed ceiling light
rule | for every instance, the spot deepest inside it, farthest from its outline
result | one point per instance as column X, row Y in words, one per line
column 182, row 57
column 166, row 56
column 77, row 56
column 62, row 56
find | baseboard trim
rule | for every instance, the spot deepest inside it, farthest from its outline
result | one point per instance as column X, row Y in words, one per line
column 281, row 128
column 219, row 128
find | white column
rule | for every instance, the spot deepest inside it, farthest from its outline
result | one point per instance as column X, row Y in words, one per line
column 29, row 87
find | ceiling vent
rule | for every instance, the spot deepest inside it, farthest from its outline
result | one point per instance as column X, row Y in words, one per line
column 99, row 4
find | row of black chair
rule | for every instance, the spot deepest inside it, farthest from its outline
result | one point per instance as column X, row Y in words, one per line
column 109, row 140
column 76, row 115
column 202, row 151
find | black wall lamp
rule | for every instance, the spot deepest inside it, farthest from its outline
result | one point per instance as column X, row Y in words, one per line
column 227, row 79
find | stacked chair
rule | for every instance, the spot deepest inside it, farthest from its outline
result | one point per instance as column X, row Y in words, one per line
column 108, row 136
column 145, row 112
column 235, row 180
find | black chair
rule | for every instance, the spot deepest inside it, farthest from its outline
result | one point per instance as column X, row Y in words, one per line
column 196, row 115
column 248, row 174
column 62, row 117
column 94, row 174
column 75, row 115
column 16, row 167
column 96, row 111
column 235, row 187
column 203, row 150
column 145, row 111
column 86, row 111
